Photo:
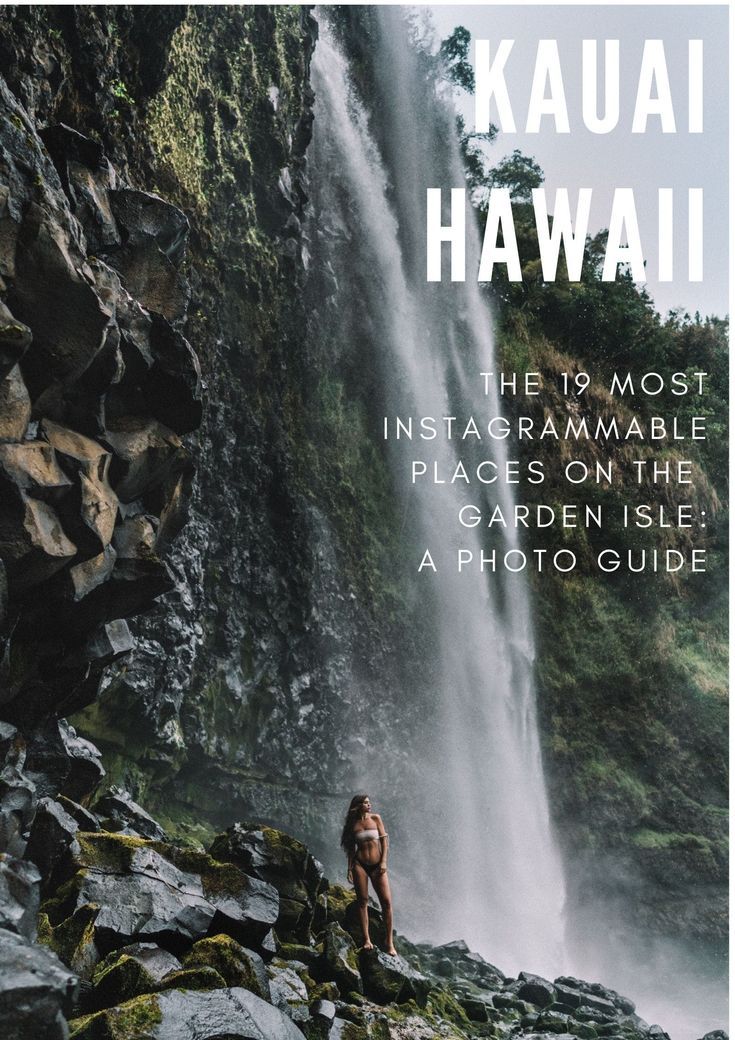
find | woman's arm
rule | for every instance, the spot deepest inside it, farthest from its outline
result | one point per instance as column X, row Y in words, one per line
column 383, row 839
column 350, row 862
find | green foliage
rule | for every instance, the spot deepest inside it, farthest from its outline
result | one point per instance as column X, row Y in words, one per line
column 519, row 173
column 453, row 54
column 119, row 90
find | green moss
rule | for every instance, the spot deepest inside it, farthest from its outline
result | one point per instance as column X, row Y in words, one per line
column 278, row 843
column 133, row 1020
column 648, row 839
column 198, row 978
column 109, row 851
column 217, row 878
column 443, row 1003
column 225, row 956
column 73, row 938
column 340, row 466
column 325, row 991
column 45, row 931
column 339, row 899
column 119, row 979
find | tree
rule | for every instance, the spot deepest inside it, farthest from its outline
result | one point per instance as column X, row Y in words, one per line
column 519, row 173
column 453, row 55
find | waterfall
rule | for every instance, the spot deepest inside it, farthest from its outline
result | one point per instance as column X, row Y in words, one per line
column 477, row 858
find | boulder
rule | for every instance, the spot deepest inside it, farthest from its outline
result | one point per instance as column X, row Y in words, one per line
column 391, row 979
column 535, row 989
column 86, row 821
column 339, row 960
column 474, row 1008
column 237, row 965
column 285, row 863
column 456, row 958
column 598, row 996
column 53, row 838
column 155, row 892
column 59, row 761
column 233, row 1013
column 19, row 896
column 288, row 990
column 36, row 990
column 567, row 995
column 323, row 1009
column 552, row 1022
column 130, row 972
column 119, row 813
column 85, row 765
column 17, row 808
column 269, row 945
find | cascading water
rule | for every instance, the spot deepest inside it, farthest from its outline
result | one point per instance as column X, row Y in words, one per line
column 478, row 857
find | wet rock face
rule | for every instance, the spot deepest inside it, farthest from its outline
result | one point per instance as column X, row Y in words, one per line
column 96, row 383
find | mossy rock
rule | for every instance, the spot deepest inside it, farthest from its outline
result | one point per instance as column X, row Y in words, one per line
column 294, row 918
column 142, row 887
column 583, row 1030
column 121, row 980
column 339, row 961
column 73, row 940
column 278, row 858
column 325, row 991
column 392, row 979
column 201, row 977
column 188, row 1015
column 338, row 899
column 45, row 934
column 234, row 963
column 115, row 852
column 108, row 851
column 134, row 1020
column 443, row 1003
column 300, row 952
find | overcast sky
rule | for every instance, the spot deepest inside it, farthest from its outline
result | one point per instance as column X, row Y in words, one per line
column 643, row 162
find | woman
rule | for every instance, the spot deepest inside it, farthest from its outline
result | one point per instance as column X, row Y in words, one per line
column 365, row 841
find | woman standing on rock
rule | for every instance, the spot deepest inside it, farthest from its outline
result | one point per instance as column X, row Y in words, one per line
column 365, row 841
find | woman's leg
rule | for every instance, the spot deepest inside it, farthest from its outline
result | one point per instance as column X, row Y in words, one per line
column 381, row 884
column 360, row 878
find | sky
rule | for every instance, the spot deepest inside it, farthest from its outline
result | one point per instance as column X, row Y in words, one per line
column 644, row 162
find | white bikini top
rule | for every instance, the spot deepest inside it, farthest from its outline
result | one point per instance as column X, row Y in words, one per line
column 366, row 835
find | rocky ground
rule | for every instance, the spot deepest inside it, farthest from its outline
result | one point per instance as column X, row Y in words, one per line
column 109, row 930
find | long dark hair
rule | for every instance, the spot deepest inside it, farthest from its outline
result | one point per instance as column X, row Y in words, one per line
column 347, row 841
